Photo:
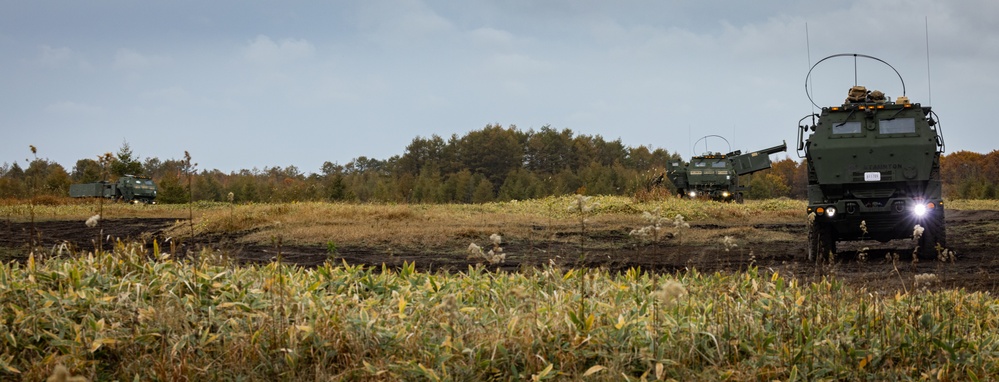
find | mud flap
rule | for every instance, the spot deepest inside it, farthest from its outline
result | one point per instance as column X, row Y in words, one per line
column 821, row 242
column 934, row 234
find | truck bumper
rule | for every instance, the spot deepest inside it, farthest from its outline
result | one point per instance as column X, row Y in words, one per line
column 895, row 218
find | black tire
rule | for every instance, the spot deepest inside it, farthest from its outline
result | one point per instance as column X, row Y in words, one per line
column 821, row 242
column 934, row 234
column 738, row 198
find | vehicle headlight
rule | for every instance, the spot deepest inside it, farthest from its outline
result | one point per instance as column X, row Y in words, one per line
column 831, row 211
column 692, row 194
column 919, row 210
column 725, row 194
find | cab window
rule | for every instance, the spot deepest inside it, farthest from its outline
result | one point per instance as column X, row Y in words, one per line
column 897, row 126
column 718, row 164
column 846, row 128
column 701, row 164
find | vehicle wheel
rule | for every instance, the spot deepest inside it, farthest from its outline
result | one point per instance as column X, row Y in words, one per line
column 934, row 234
column 738, row 197
column 821, row 244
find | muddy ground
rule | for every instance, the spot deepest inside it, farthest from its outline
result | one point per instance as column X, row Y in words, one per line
column 970, row 234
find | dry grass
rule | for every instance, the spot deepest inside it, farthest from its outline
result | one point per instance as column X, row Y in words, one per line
column 81, row 209
column 447, row 225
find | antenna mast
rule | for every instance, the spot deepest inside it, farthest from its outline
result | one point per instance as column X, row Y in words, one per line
column 808, row 52
column 929, row 88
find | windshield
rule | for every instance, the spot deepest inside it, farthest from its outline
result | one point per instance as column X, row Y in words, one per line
column 846, row 128
column 897, row 126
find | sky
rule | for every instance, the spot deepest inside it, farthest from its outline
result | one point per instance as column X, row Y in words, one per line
column 255, row 84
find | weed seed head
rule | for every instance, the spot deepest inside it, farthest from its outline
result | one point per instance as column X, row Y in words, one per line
column 61, row 373
column 92, row 221
column 729, row 243
column 641, row 232
column 474, row 249
column 944, row 255
column 917, row 232
column 582, row 204
column 862, row 255
column 670, row 292
column 494, row 256
column 678, row 222
column 924, row 280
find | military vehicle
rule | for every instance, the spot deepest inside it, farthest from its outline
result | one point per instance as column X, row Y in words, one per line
column 129, row 188
column 873, row 170
column 715, row 176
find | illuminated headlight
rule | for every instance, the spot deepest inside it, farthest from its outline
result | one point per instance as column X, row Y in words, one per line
column 920, row 210
column 725, row 194
column 693, row 194
column 831, row 211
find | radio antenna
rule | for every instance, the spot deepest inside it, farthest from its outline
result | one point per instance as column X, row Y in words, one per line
column 929, row 88
column 808, row 53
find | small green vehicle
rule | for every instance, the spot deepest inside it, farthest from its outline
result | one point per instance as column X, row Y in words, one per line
column 873, row 171
column 715, row 176
column 128, row 188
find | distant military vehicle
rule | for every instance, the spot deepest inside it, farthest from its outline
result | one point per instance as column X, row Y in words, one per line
column 715, row 176
column 873, row 170
column 128, row 188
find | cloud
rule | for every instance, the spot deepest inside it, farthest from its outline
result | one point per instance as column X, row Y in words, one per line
column 73, row 108
column 263, row 50
column 174, row 94
column 130, row 59
column 54, row 57
column 515, row 64
column 403, row 23
column 492, row 37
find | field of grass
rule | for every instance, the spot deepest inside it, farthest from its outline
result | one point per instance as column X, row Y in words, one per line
column 121, row 315
column 412, row 224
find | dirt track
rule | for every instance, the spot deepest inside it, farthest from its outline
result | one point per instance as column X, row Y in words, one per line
column 970, row 235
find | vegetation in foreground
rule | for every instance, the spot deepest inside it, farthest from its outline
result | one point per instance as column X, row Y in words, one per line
column 121, row 315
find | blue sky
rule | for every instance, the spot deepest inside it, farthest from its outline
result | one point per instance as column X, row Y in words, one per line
column 245, row 84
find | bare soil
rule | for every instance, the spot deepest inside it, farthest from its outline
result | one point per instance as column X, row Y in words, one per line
column 970, row 235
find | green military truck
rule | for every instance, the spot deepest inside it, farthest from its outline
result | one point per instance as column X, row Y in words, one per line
column 873, row 171
column 129, row 188
column 715, row 176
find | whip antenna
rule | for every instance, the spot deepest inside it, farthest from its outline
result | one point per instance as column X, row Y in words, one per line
column 929, row 88
column 808, row 53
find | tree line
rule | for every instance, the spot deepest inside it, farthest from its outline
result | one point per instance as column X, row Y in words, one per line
column 492, row 164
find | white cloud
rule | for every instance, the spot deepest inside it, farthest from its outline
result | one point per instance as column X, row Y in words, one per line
column 73, row 108
column 263, row 50
column 492, row 37
column 406, row 22
column 514, row 64
column 130, row 59
column 54, row 57
column 169, row 94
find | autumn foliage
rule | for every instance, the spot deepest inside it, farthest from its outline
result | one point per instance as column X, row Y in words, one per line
column 492, row 164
